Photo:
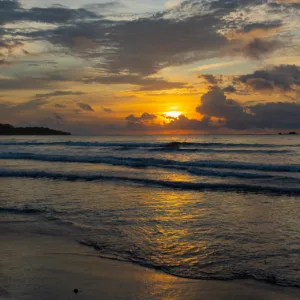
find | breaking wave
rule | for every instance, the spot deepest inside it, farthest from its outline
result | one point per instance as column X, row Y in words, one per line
column 163, row 145
column 220, row 150
column 22, row 210
column 201, row 272
column 153, row 162
column 184, row 185
column 207, row 172
column 25, row 210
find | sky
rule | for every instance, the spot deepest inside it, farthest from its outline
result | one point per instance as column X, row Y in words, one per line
column 94, row 67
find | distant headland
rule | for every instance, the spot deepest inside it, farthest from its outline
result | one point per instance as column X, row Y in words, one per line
column 7, row 129
column 289, row 133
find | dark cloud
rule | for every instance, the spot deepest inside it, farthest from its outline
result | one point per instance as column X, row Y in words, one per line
column 24, row 83
column 4, row 62
column 33, row 104
column 142, row 46
column 107, row 6
column 211, row 79
column 260, row 84
column 184, row 123
column 8, row 46
column 283, row 77
column 258, row 48
column 85, row 106
column 47, row 80
column 145, row 46
column 59, row 93
column 275, row 115
column 108, row 110
column 59, row 105
column 11, row 11
column 144, row 122
column 229, row 89
column 9, row 4
column 52, row 120
column 185, row 34
column 145, row 117
column 9, row 111
column 285, row 115
column 262, row 26
column 215, row 104
column 146, row 84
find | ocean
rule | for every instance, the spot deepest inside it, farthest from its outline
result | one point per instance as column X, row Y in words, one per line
column 202, row 207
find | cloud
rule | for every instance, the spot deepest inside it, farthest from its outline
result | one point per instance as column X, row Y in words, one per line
column 59, row 93
column 9, row 4
column 108, row 110
column 145, row 45
column 189, row 32
column 9, row 111
column 24, row 83
column 59, row 105
column 11, row 11
column 4, row 62
column 85, row 106
column 289, row 2
column 211, row 79
column 145, row 117
column 260, row 84
column 282, row 77
column 184, row 123
column 258, row 48
column 103, row 7
column 215, row 104
column 121, row 49
column 146, row 84
column 268, row 25
column 144, row 122
column 274, row 115
column 9, row 46
column 33, row 104
column 229, row 89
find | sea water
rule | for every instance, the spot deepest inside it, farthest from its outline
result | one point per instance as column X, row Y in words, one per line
column 202, row 207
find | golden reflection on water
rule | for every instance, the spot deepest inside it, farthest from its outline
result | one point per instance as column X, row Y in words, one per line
column 170, row 237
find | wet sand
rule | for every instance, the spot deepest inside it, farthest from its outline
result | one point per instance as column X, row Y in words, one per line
column 40, row 267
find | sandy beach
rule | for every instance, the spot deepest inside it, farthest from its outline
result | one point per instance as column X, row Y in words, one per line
column 36, row 266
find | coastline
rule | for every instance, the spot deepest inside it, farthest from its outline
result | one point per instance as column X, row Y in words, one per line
column 38, row 266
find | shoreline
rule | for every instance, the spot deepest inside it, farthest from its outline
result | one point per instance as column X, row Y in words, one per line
column 35, row 266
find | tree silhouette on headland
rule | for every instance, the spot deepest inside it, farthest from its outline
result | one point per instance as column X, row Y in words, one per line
column 7, row 129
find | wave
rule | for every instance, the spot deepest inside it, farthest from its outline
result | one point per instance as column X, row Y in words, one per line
column 24, row 210
column 81, row 144
column 184, row 185
column 153, row 162
column 206, row 172
column 168, row 145
column 201, row 273
column 208, row 150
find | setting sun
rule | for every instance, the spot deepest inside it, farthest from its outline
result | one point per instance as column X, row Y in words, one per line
column 173, row 114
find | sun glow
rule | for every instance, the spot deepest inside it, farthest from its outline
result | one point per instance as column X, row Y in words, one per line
column 173, row 114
